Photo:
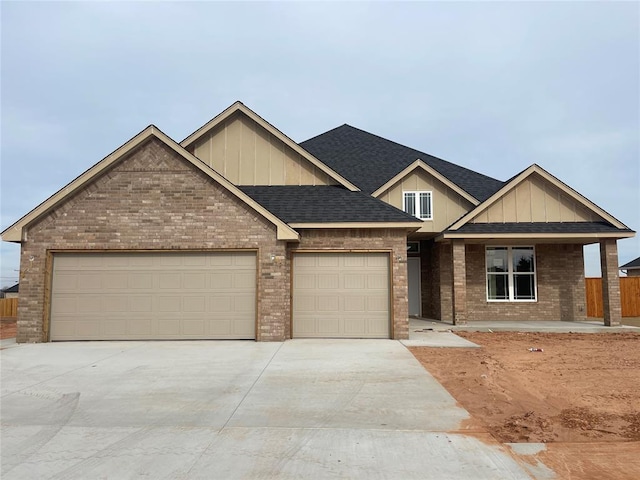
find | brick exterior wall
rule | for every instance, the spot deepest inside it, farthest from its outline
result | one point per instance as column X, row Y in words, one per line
column 459, row 281
column 393, row 240
column 445, row 282
column 430, row 291
column 437, row 281
column 153, row 200
column 611, row 302
column 560, row 280
column 560, row 277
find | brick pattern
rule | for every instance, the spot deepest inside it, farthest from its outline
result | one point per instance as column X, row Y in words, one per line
column 437, row 293
column 430, row 298
column 393, row 240
column 459, row 281
column 560, row 280
column 611, row 303
column 153, row 200
column 560, row 277
column 445, row 281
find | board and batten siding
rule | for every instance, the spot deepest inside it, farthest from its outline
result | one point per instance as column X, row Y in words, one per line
column 245, row 154
column 448, row 206
column 535, row 200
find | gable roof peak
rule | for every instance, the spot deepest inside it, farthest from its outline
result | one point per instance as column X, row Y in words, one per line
column 14, row 232
column 334, row 129
column 548, row 177
column 238, row 106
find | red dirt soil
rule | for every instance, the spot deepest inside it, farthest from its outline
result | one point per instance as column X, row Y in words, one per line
column 581, row 394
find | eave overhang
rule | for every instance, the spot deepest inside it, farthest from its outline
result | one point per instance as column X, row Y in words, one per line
column 550, row 178
column 534, row 236
column 419, row 164
column 410, row 226
column 14, row 233
column 240, row 107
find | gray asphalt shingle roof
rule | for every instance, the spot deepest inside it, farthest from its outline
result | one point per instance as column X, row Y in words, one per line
column 632, row 264
column 14, row 289
column 322, row 204
column 538, row 227
column 369, row 161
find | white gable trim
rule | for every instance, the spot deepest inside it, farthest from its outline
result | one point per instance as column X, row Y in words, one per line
column 419, row 164
column 240, row 107
column 551, row 179
column 14, row 232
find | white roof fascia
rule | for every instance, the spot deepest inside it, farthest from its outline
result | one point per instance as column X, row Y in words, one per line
column 431, row 171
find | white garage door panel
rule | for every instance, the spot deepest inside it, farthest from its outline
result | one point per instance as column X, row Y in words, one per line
column 100, row 296
column 341, row 295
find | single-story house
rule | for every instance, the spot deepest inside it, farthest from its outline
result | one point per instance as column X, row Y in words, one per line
column 632, row 268
column 10, row 292
column 239, row 232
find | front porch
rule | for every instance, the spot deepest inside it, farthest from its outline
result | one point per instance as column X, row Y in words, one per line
column 451, row 281
column 418, row 327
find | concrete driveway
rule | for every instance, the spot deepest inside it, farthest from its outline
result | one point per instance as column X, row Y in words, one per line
column 298, row 409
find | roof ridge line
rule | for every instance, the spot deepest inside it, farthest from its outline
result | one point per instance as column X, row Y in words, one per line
column 324, row 133
column 407, row 147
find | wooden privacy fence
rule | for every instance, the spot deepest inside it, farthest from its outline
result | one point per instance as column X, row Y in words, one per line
column 629, row 296
column 8, row 307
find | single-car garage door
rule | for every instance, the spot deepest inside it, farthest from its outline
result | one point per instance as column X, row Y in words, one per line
column 341, row 295
column 124, row 296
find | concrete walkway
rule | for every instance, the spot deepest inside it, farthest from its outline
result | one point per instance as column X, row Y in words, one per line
column 299, row 409
column 427, row 336
column 420, row 324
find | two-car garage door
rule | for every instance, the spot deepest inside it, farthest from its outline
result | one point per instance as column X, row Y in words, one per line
column 125, row 296
column 341, row 295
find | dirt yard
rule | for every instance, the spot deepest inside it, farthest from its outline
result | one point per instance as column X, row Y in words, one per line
column 7, row 327
column 580, row 395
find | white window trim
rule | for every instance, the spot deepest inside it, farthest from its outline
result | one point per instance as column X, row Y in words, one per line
column 417, row 203
column 510, row 274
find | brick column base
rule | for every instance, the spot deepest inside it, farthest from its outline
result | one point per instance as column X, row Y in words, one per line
column 446, row 282
column 611, row 305
column 459, row 270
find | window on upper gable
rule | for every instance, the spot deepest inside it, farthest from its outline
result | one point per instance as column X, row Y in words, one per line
column 419, row 204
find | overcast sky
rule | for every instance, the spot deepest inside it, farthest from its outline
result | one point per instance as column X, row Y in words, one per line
column 491, row 86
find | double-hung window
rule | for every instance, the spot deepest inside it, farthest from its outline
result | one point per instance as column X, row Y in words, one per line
column 511, row 274
column 418, row 204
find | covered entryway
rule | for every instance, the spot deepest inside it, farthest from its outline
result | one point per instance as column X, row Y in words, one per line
column 341, row 295
column 145, row 296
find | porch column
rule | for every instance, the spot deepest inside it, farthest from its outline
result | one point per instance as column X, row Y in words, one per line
column 459, row 278
column 611, row 305
column 445, row 299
